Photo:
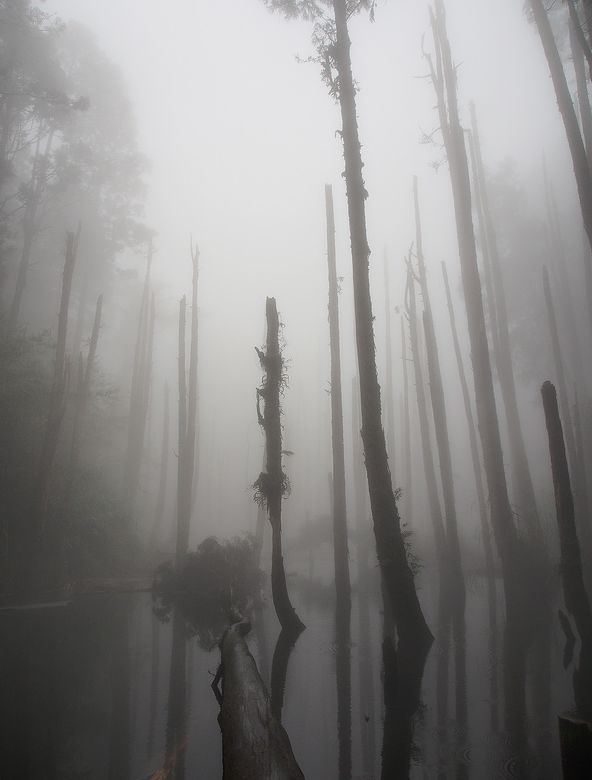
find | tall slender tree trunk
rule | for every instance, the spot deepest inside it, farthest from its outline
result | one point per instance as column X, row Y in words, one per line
column 390, row 548
column 572, row 130
column 408, row 492
column 82, row 399
column 365, row 652
column 453, row 555
column 581, row 85
column 576, row 598
column 503, row 355
column 424, row 427
column 390, row 400
column 272, row 483
column 340, row 542
column 140, row 392
column 164, row 469
column 59, row 391
column 340, row 545
column 444, row 78
column 473, row 443
column 180, row 548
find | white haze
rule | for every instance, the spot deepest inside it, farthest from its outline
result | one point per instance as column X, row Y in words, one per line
column 241, row 138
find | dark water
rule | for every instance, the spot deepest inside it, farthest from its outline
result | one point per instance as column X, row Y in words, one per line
column 96, row 689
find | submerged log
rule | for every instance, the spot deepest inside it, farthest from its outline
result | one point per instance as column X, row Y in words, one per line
column 255, row 746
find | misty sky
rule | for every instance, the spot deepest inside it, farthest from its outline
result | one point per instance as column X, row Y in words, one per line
column 241, row 139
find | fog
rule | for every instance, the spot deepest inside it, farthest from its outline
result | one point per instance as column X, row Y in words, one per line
column 207, row 125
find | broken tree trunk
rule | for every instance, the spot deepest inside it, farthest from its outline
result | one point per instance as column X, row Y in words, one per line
column 188, row 425
column 340, row 546
column 503, row 354
column 572, row 130
column 390, row 401
column 473, row 444
column 164, row 468
column 424, row 426
column 255, row 746
column 453, row 556
column 574, row 591
column 392, row 556
column 272, row 483
column 59, row 391
column 82, row 399
column 444, row 80
column 182, row 534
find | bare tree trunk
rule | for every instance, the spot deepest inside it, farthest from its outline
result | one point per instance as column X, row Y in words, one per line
column 577, row 54
column 180, row 549
column 340, row 542
column 82, row 400
column 255, row 746
column 390, row 401
column 576, row 598
column 271, row 484
column 390, row 548
column 140, row 392
column 572, row 130
column 453, row 555
column 473, row 445
column 59, row 391
column 340, row 546
column 164, row 468
column 559, row 369
column 444, row 78
column 424, row 427
column 365, row 656
column 408, row 492
column 187, row 462
column 503, row 356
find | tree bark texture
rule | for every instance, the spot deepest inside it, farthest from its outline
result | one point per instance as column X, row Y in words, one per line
column 255, row 746
column 272, row 483
column 453, row 555
column 576, row 598
column 444, row 78
column 572, row 129
column 503, row 355
column 390, row 548
column 340, row 545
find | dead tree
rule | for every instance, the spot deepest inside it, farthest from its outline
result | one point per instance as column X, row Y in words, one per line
column 390, row 402
column 255, row 746
column 577, row 43
column 164, row 468
column 340, row 545
column 83, row 393
column 272, row 484
column 408, row 493
column 59, row 391
column 576, row 598
column 424, row 425
column 503, row 352
column 581, row 168
column 365, row 654
column 140, row 391
column 443, row 75
column 390, row 548
column 187, row 416
column 453, row 554
column 473, row 443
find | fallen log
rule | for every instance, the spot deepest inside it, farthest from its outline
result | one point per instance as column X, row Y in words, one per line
column 255, row 746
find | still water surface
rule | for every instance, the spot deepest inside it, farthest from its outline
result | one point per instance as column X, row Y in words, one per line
column 94, row 689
